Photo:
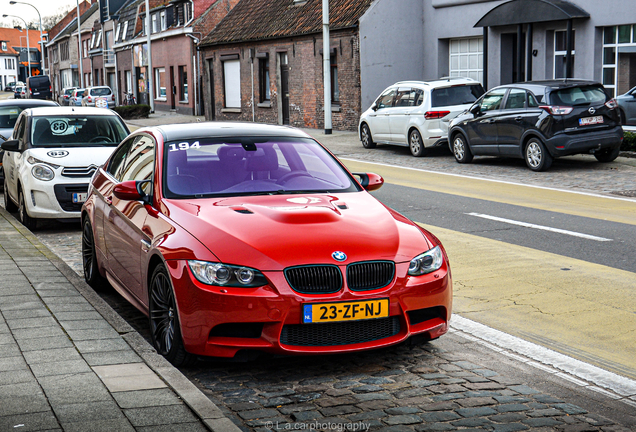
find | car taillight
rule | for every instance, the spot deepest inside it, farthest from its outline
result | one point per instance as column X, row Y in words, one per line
column 435, row 114
column 90, row 99
column 611, row 104
column 556, row 110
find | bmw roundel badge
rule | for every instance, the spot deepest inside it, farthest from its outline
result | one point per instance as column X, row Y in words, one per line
column 339, row 256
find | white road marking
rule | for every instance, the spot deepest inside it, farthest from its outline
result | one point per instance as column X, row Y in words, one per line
column 492, row 180
column 575, row 371
column 541, row 227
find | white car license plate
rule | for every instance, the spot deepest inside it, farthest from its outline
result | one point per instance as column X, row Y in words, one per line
column 79, row 197
column 590, row 120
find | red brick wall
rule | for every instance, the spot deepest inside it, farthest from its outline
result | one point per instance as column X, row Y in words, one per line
column 208, row 13
column 174, row 51
column 305, row 82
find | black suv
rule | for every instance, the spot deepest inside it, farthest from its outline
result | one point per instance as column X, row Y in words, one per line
column 39, row 87
column 539, row 121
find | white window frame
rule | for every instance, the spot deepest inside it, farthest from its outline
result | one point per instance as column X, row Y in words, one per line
column 4, row 45
column 232, row 83
column 158, row 71
column 616, row 45
column 123, row 36
column 471, row 49
column 155, row 23
column 162, row 18
column 561, row 53
column 117, row 31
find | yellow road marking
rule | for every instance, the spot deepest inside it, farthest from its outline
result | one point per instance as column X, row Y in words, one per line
column 597, row 207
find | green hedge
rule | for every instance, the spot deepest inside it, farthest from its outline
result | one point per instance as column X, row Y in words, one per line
column 629, row 141
column 128, row 112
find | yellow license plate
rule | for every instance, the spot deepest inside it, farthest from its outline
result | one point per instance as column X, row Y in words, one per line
column 345, row 311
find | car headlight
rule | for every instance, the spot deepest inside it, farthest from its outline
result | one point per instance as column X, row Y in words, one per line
column 427, row 262
column 42, row 172
column 226, row 275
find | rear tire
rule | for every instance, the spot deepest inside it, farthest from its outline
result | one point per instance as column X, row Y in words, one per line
column 26, row 220
column 365, row 137
column 9, row 205
column 536, row 156
column 165, row 331
column 607, row 155
column 460, row 149
column 89, row 257
column 416, row 144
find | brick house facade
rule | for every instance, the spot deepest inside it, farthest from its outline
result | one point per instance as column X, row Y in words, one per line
column 280, row 42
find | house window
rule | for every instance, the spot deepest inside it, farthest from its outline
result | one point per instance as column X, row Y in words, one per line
column 4, row 46
column 92, row 41
column 160, row 86
column 560, row 52
column 232, row 83
column 162, row 16
column 85, row 48
column 117, row 31
column 263, row 78
column 155, row 24
column 335, row 90
column 183, row 83
column 619, row 53
column 98, row 42
column 125, row 31
column 187, row 12
column 129, row 88
column 466, row 58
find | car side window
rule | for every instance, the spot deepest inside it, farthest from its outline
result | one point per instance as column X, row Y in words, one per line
column 139, row 164
column 532, row 101
column 386, row 99
column 116, row 164
column 418, row 97
column 516, row 99
column 492, row 100
column 403, row 97
column 19, row 132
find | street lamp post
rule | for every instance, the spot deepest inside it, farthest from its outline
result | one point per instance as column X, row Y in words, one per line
column 28, row 47
column 41, row 32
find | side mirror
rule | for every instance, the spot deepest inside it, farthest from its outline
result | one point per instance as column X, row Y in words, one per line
column 374, row 107
column 11, row 145
column 130, row 190
column 370, row 181
column 474, row 110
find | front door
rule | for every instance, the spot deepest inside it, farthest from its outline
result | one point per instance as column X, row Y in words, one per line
column 173, row 89
column 284, row 87
column 379, row 119
column 482, row 130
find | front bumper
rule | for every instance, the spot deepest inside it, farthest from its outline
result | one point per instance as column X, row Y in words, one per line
column 221, row 321
column 564, row 144
column 53, row 200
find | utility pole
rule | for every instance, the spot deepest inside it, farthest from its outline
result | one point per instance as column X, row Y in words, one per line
column 326, row 65
column 151, row 92
column 79, row 45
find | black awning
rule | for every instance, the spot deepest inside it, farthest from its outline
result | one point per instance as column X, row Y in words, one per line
column 531, row 11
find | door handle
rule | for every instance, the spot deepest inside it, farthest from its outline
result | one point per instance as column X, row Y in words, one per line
column 145, row 245
column 519, row 118
column 108, row 200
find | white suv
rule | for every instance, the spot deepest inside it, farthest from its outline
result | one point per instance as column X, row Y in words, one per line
column 51, row 157
column 417, row 113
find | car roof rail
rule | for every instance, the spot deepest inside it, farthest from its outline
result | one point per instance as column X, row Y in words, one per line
column 449, row 78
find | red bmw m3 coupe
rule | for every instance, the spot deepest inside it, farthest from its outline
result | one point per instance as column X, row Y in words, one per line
column 235, row 237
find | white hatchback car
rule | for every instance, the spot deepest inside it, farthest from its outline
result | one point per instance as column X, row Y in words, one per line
column 417, row 113
column 51, row 157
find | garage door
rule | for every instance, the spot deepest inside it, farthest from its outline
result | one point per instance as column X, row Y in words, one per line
column 466, row 58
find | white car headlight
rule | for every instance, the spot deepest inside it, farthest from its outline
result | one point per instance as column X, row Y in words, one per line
column 427, row 262
column 219, row 274
column 42, row 172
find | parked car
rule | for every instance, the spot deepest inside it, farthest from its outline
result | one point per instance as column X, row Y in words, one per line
column 100, row 96
column 416, row 113
column 65, row 97
column 76, row 97
column 627, row 107
column 11, row 86
column 257, row 237
column 51, row 156
column 39, row 87
column 19, row 92
column 539, row 121
column 10, row 109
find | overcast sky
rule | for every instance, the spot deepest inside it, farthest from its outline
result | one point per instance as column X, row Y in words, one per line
column 46, row 8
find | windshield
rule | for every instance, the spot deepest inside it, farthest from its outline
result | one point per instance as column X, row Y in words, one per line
column 456, row 95
column 252, row 166
column 583, row 95
column 8, row 116
column 89, row 131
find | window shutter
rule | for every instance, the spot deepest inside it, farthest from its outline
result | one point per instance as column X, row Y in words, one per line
column 232, row 74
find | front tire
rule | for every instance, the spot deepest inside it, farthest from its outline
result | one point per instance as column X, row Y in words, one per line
column 365, row 137
column 89, row 257
column 536, row 156
column 165, row 330
column 415, row 143
column 460, row 149
column 607, row 155
column 9, row 205
column 26, row 220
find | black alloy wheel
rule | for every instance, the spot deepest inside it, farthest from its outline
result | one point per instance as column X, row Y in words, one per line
column 25, row 219
column 607, row 155
column 89, row 257
column 164, row 321
column 9, row 205
column 415, row 143
column 366, row 138
column 460, row 149
column 536, row 156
